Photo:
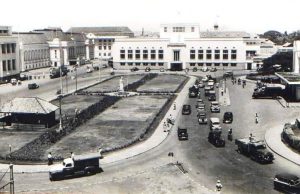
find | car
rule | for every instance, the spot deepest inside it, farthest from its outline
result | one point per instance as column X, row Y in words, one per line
column 215, row 124
column 96, row 67
column 287, row 183
column 104, row 65
column 182, row 134
column 199, row 100
column 204, row 69
column 202, row 119
column 228, row 117
column 13, row 81
column 23, row 77
column 204, row 79
column 215, row 138
column 213, row 69
column 228, row 74
column 162, row 69
column 200, row 107
column 212, row 97
column 186, row 109
column 134, row 69
column 215, row 107
column 207, row 89
column 89, row 69
column 147, row 69
column 33, row 86
column 195, row 69
column 201, row 85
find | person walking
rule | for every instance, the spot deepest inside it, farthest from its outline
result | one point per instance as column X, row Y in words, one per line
column 50, row 159
column 219, row 185
column 256, row 118
column 72, row 155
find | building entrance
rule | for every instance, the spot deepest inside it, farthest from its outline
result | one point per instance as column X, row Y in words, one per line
column 176, row 67
column 249, row 66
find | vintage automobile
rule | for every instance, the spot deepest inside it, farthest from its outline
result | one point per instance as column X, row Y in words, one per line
column 182, row 134
column 202, row 119
column 228, row 117
column 186, row 109
column 287, row 183
column 215, row 107
column 33, row 86
column 215, row 124
column 215, row 138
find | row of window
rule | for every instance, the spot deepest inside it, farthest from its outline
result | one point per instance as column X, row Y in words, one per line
column 36, row 54
column 145, row 54
column 217, row 54
column 213, row 64
column 105, row 47
column 142, row 64
column 8, row 65
column 105, row 54
column 75, row 51
column 32, row 66
column 104, row 40
column 8, row 48
column 179, row 29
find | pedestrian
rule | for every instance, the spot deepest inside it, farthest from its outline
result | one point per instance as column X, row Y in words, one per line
column 72, row 155
column 250, row 137
column 174, row 106
column 229, row 137
column 50, row 159
column 256, row 118
column 100, row 153
column 219, row 185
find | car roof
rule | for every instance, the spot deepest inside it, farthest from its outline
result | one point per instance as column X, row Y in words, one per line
column 228, row 113
column 287, row 176
column 214, row 119
column 215, row 102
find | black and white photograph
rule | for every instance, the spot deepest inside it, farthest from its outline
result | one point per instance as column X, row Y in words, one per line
column 149, row 97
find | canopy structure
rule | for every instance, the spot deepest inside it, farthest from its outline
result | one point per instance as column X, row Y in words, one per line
column 28, row 110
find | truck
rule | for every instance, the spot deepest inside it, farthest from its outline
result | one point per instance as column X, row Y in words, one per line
column 55, row 71
column 271, row 91
column 77, row 166
column 255, row 149
column 215, row 138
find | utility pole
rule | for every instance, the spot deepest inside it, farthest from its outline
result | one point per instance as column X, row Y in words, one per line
column 12, row 183
column 60, row 115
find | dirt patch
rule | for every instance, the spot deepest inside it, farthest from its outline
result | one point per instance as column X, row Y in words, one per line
column 163, row 83
column 116, row 127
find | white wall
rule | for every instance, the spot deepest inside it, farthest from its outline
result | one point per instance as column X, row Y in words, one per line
column 296, row 57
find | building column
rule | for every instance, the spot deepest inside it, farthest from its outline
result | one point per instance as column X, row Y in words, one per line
column 87, row 52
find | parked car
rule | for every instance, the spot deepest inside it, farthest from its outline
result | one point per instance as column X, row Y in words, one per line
column 182, row 134
column 202, row 119
column 213, row 69
column 33, row 86
column 287, row 183
column 195, row 69
column 215, row 107
column 162, row 69
column 147, row 69
column 228, row 117
column 204, row 69
column 186, row 109
column 89, row 69
column 228, row 74
column 134, row 69
column 13, row 81
column 23, row 77
column 204, row 79
column 215, row 138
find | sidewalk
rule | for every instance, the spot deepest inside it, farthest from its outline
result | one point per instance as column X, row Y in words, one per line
column 156, row 139
column 273, row 141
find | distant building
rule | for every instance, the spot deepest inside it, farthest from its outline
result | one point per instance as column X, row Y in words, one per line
column 65, row 48
column 184, row 46
column 101, row 39
column 34, row 50
column 9, row 54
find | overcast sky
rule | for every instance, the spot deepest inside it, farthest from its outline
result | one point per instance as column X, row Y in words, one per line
column 255, row 16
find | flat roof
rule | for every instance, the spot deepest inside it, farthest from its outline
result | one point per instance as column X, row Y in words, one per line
column 289, row 77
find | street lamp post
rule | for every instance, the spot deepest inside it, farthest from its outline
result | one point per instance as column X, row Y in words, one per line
column 99, row 71
column 60, row 114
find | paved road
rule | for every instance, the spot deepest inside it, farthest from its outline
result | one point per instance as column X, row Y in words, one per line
column 204, row 163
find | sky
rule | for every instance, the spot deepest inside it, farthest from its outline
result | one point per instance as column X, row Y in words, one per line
column 254, row 16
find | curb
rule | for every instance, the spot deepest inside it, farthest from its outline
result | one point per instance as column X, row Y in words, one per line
column 275, row 151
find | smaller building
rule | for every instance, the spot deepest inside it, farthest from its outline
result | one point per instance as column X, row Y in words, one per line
column 30, row 110
column 292, row 85
column 9, row 54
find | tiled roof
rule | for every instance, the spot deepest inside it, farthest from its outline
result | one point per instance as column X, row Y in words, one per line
column 224, row 34
column 31, row 105
column 104, row 31
column 31, row 38
column 54, row 33
column 77, row 36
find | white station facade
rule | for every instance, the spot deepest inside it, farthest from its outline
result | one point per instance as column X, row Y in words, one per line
column 182, row 46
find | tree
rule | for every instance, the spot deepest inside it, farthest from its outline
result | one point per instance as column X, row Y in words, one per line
column 285, row 59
